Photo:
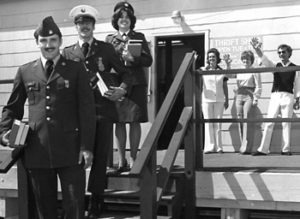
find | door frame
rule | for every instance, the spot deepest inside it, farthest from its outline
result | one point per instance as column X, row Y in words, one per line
column 153, row 71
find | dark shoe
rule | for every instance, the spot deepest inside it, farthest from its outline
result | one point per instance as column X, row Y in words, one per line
column 288, row 153
column 94, row 207
column 258, row 153
column 244, row 153
column 209, row 152
column 124, row 167
column 92, row 216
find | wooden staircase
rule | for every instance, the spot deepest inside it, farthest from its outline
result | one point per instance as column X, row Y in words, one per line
column 123, row 195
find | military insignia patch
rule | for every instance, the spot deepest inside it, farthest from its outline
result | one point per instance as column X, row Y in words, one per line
column 100, row 64
column 67, row 84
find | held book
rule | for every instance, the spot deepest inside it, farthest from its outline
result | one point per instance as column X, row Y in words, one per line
column 101, row 84
column 17, row 137
column 135, row 47
column 8, row 157
column 18, row 134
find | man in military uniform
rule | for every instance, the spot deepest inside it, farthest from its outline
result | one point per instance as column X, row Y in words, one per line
column 62, row 124
column 100, row 57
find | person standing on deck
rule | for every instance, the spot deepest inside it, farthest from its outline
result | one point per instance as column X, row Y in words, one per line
column 248, row 92
column 286, row 87
column 214, row 101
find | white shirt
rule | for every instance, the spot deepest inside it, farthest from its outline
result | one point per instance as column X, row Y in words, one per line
column 250, row 80
column 45, row 60
column 213, row 88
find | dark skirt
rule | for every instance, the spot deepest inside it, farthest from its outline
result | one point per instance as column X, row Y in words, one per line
column 134, row 107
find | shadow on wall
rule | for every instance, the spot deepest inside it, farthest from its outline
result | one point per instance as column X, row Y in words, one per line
column 254, row 132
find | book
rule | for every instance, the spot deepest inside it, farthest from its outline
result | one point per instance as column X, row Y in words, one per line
column 135, row 47
column 18, row 137
column 18, row 134
column 101, row 84
column 24, row 135
column 8, row 157
column 14, row 132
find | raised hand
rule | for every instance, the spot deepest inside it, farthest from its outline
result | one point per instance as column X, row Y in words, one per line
column 227, row 59
column 256, row 44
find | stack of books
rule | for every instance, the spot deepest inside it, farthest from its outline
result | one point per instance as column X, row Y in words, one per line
column 17, row 137
column 18, row 134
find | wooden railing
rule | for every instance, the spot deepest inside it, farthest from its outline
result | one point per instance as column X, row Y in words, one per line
column 153, row 183
column 230, row 72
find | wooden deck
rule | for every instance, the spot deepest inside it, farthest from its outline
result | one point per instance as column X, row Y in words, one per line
column 227, row 181
column 232, row 162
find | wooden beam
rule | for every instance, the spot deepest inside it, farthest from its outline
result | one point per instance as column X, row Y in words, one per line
column 249, row 70
column 174, row 145
column 148, row 204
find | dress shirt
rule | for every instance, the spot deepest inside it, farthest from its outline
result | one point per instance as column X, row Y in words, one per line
column 55, row 60
column 81, row 42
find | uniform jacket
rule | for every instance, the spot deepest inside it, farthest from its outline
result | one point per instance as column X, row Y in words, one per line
column 109, row 60
column 61, row 113
column 145, row 60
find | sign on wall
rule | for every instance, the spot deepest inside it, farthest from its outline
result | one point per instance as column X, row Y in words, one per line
column 234, row 46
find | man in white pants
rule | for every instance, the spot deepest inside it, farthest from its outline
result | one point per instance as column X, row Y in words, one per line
column 286, row 86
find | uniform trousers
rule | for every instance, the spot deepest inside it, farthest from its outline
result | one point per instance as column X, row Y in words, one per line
column 213, row 137
column 44, row 186
column 279, row 102
column 104, row 142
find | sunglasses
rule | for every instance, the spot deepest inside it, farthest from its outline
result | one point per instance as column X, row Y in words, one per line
column 281, row 52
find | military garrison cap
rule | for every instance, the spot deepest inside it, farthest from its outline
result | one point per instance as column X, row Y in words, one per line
column 123, row 6
column 82, row 13
column 47, row 28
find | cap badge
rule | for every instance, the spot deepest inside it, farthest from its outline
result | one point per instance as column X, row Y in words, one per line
column 50, row 32
column 82, row 10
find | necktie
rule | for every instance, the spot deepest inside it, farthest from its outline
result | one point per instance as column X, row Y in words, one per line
column 85, row 49
column 49, row 67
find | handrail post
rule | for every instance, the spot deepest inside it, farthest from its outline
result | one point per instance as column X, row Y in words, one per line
column 198, row 127
column 148, row 184
column 190, row 151
column 23, row 192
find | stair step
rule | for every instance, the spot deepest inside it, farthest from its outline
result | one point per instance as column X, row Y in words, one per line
column 122, row 216
column 130, row 197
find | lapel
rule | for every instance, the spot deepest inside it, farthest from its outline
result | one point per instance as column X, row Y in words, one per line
column 59, row 69
column 38, row 70
column 77, row 53
column 119, row 36
column 130, row 35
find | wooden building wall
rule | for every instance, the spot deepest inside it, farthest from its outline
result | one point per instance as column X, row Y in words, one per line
column 274, row 21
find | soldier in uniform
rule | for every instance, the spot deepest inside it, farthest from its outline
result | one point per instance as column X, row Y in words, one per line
column 98, row 57
column 133, row 110
column 62, row 124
